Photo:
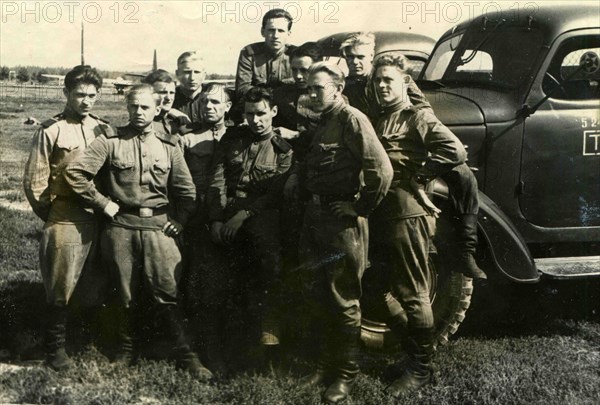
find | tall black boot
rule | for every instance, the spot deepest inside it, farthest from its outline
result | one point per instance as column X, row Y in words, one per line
column 124, row 355
column 466, row 229
column 56, row 332
column 345, row 365
column 324, row 362
column 418, row 372
column 186, row 359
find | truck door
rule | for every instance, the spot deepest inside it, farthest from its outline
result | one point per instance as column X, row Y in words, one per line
column 560, row 163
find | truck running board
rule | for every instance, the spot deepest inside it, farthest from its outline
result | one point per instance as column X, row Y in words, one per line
column 569, row 267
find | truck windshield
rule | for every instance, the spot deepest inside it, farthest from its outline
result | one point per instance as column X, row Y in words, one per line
column 503, row 57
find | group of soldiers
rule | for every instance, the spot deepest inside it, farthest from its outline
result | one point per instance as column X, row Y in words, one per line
column 204, row 184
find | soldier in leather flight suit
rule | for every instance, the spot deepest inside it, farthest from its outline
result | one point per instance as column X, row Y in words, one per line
column 141, row 170
column 346, row 174
column 248, row 161
column 70, row 234
column 420, row 148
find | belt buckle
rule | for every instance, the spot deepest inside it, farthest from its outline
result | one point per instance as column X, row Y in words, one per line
column 316, row 199
column 146, row 212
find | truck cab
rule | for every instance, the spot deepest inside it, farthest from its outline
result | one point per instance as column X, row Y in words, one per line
column 522, row 91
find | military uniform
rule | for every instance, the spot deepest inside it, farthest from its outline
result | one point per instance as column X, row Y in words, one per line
column 168, row 124
column 140, row 171
column 206, row 276
column 258, row 65
column 418, row 144
column 70, row 234
column 190, row 106
column 344, row 152
column 245, row 171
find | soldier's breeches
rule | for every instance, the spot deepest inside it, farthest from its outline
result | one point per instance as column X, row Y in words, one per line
column 142, row 258
column 333, row 257
column 407, row 244
column 68, row 250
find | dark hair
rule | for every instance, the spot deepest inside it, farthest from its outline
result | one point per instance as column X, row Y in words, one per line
column 82, row 74
column 310, row 49
column 397, row 60
column 277, row 13
column 159, row 75
column 257, row 94
column 214, row 86
column 143, row 88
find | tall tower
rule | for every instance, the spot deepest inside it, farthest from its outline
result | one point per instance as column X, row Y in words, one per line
column 154, row 62
column 82, row 57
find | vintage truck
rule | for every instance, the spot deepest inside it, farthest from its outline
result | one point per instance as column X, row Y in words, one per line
column 522, row 92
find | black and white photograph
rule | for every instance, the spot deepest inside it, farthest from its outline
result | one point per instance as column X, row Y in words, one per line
column 299, row 202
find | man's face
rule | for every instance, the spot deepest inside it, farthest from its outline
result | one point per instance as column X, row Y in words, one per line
column 300, row 70
column 359, row 60
column 214, row 105
column 390, row 85
column 260, row 116
column 323, row 91
column 276, row 33
column 166, row 91
column 191, row 74
column 81, row 98
column 142, row 109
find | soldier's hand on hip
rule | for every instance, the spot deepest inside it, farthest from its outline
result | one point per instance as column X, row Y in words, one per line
column 343, row 209
column 111, row 209
column 172, row 228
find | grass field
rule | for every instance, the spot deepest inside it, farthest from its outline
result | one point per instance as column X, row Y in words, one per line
column 518, row 345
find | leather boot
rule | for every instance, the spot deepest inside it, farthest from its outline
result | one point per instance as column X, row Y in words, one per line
column 185, row 358
column 466, row 230
column 418, row 372
column 124, row 355
column 346, row 366
column 323, row 366
column 56, row 331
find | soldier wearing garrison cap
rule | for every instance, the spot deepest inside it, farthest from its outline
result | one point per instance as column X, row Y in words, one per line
column 140, row 171
column 68, row 243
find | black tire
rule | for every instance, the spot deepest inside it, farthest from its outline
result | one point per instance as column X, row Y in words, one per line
column 450, row 293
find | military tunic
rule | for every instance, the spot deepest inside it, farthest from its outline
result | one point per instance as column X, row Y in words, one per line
column 68, row 243
column 247, row 168
column 141, row 172
column 258, row 65
column 344, row 160
column 417, row 143
column 190, row 106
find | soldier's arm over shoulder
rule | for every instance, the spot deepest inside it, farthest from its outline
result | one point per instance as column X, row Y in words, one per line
column 79, row 174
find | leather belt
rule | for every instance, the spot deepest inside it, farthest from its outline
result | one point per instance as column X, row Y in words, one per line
column 144, row 212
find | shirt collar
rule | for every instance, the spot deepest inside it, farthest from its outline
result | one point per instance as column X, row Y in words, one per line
column 334, row 109
column 397, row 106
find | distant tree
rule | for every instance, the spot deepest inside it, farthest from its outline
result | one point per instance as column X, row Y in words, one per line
column 23, row 75
column 4, row 72
column 41, row 78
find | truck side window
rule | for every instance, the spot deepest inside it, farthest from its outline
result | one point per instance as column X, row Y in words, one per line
column 578, row 83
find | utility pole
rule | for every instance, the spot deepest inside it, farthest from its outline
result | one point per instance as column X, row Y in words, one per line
column 82, row 57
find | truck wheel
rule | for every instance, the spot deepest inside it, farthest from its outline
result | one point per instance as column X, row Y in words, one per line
column 450, row 296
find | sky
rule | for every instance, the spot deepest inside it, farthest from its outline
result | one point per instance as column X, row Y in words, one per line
column 122, row 35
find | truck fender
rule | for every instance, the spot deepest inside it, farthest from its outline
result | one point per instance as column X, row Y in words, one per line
column 507, row 249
